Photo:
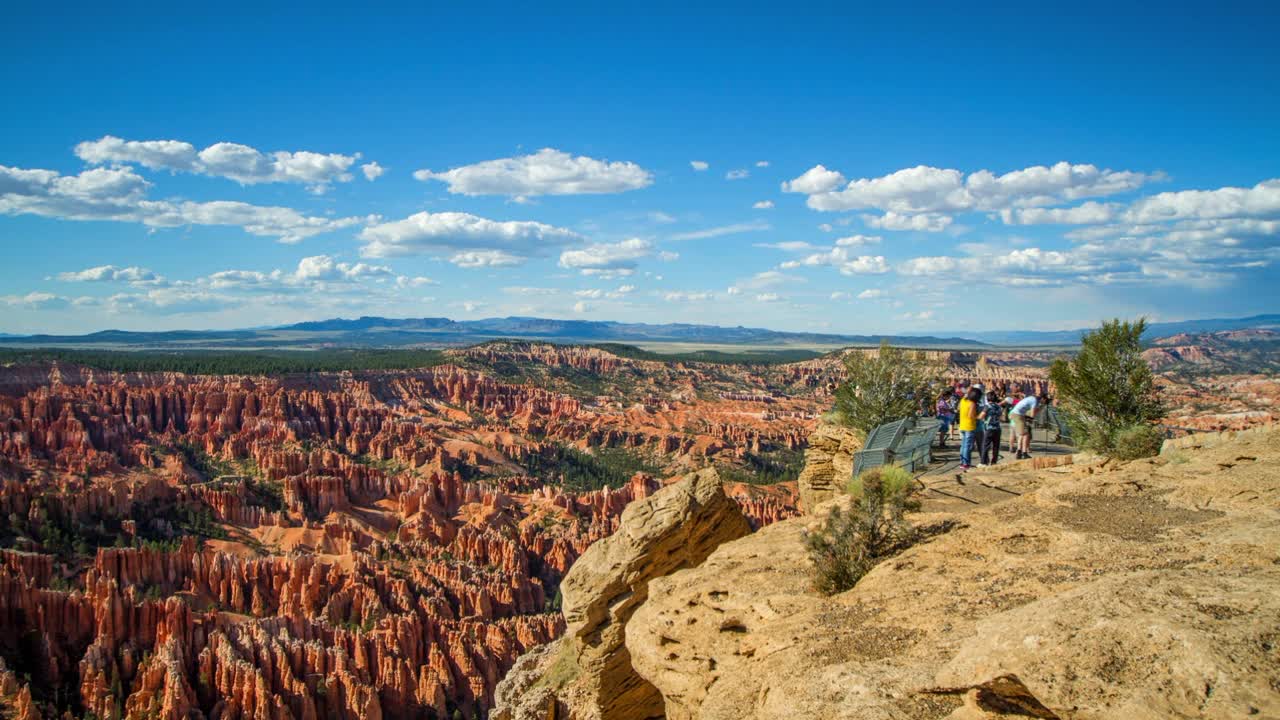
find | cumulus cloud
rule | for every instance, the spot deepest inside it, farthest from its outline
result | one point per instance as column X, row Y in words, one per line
column 234, row 161
column 768, row 297
column 923, row 222
column 485, row 258
column 1085, row 214
column 473, row 241
column 688, row 296
column 546, row 172
column 762, row 163
column 763, row 205
column 816, row 179
column 925, row 189
column 324, row 268
column 119, row 194
column 870, row 294
column 36, row 301
column 699, row 165
column 739, row 174
column 844, row 261
column 753, row 226
column 111, row 273
column 581, row 307
column 1261, row 200
column 857, row 240
column 840, row 295
column 607, row 259
column 372, row 171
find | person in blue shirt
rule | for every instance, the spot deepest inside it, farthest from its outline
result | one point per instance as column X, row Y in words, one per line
column 991, row 415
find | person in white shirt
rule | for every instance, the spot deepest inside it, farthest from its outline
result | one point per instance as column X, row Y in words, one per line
column 1020, row 417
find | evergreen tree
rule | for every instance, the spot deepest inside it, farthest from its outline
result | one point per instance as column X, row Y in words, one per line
column 1107, row 387
column 884, row 386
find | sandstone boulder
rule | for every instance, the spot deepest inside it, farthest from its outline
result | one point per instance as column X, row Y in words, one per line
column 828, row 463
column 589, row 670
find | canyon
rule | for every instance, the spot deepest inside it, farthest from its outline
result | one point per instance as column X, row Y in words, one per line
column 383, row 543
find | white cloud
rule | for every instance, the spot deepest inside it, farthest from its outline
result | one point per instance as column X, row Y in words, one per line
column 372, row 171
column 840, row 295
column 1261, row 200
column 870, row 294
column 925, row 189
column 763, row 205
column 922, row 222
column 857, row 240
column 111, row 273
column 465, row 235
column 753, row 226
column 668, row 256
column 546, row 172
column 816, row 179
column 36, row 301
column 762, row 163
column 698, row 165
column 119, row 194
column 607, row 259
column 155, row 154
column 324, row 268
column 661, row 218
column 841, row 259
column 405, row 282
column 485, row 258
column 1089, row 213
column 789, row 246
column 581, row 307
column 739, row 174
column 688, row 296
column 766, row 279
column 241, row 163
column 768, row 297
column 530, row 291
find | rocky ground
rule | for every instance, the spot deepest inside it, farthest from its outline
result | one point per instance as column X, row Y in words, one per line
column 1091, row 590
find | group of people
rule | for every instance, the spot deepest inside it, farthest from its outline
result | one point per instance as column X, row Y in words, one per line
column 978, row 414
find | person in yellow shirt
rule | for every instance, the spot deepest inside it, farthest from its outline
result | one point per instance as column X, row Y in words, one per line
column 968, row 423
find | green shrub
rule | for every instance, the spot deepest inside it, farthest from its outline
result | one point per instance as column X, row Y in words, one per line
column 1107, row 387
column 1137, row 441
column 850, row 543
column 892, row 478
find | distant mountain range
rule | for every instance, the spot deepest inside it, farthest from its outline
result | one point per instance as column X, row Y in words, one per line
column 1025, row 338
column 443, row 332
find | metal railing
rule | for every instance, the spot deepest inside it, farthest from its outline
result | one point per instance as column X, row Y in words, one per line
column 906, row 443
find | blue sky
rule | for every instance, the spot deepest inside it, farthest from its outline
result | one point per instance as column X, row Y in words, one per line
column 802, row 167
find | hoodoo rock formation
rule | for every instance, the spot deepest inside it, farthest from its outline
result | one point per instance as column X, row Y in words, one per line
column 373, row 544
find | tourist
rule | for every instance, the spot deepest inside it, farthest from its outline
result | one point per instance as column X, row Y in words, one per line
column 1020, row 417
column 991, row 417
column 945, row 416
column 979, row 432
column 968, row 423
